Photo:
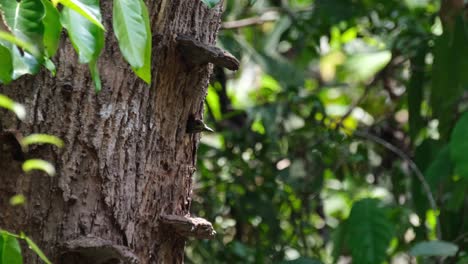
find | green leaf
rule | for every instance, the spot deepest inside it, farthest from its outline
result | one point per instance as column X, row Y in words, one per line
column 369, row 232
column 36, row 249
column 18, row 42
column 93, row 68
column 212, row 101
column 50, row 66
column 52, row 28
column 440, row 170
column 87, row 38
column 17, row 200
column 145, row 72
column 339, row 238
column 10, row 250
column 434, row 248
column 373, row 61
column 211, row 3
column 37, row 164
column 459, row 146
column 24, row 19
column 41, row 139
column 129, row 29
column 6, row 65
column 87, row 9
column 457, row 195
column 11, row 105
column 450, row 53
column 24, row 63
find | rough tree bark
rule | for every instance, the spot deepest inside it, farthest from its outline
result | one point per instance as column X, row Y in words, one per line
column 128, row 159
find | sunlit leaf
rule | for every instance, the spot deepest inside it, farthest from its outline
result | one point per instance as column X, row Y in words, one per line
column 41, row 139
column 11, row 105
column 17, row 200
column 10, row 250
column 87, row 38
column 19, row 42
column 369, row 232
column 328, row 64
column 37, row 164
column 52, row 28
column 145, row 71
column 212, row 100
column 86, row 8
column 50, row 66
column 361, row 67
column 24, row 19
column 129, row 28
column 94, row 70
column 6, row 65
column 434, row 248
column 24, row 63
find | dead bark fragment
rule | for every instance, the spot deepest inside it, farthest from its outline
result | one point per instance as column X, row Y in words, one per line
column 187, row 226
column 198, row 53
column 100, row 251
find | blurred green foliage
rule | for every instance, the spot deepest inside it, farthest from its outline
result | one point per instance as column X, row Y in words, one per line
column 342, row 137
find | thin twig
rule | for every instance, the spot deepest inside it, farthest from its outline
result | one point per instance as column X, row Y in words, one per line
column 414, row 168
column 269, row 16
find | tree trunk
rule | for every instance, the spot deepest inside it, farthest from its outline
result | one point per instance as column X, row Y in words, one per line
column 127, row 160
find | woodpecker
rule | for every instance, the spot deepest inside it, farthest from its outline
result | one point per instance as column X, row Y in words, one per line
column 197, row 126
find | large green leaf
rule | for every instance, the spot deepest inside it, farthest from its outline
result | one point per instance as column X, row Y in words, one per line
column 449, row 77
column 12, row 39
column 439, row 171
column 86, row 8
column 130, row 30
column 6, row 65
column 10, row 251
column 52, row 28
column 459, row 146
column 145, row 71
column 369, row 232
column 24, row 19
column 86, row 37
column 24, row 62
column 434, row 248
